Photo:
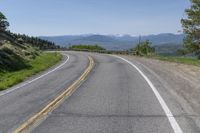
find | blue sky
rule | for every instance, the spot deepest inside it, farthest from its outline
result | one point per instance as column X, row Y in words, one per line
column 70, row 17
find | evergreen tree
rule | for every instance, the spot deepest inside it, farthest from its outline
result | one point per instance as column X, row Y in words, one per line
column 3, row 22
column 144, row 49
column 191, row 27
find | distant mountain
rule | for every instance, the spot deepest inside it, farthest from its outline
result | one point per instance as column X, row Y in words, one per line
column 112, row 42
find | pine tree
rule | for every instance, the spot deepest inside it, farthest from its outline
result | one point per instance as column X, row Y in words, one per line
column 191, row 27
column 3, row 22
column 144, row 49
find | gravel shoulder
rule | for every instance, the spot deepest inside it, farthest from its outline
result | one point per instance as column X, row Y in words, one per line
column 181, row 81
column 184, row 79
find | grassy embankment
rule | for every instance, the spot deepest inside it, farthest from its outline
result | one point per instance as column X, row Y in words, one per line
column 33, row 66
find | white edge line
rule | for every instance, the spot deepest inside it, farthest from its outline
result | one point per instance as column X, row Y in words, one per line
column 166, row 109
column 31, row 81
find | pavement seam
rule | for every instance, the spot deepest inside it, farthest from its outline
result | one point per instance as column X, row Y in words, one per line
column 113, row 115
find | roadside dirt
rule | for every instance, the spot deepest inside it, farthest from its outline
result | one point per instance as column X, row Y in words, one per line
column 183, row 79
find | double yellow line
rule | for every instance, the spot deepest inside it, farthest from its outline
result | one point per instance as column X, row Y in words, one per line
column 41, row 115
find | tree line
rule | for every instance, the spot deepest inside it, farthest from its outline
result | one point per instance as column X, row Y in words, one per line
column 35, row 41
column 87, row 47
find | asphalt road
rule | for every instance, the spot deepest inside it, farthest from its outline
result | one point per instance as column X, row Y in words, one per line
column 115, row 98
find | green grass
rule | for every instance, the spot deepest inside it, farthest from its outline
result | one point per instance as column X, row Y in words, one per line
column 40, row 63
column 183, row 60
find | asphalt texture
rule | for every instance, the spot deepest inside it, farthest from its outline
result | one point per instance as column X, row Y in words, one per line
column 115, row 98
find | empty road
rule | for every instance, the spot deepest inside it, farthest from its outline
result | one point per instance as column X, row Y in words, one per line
column 118, row 96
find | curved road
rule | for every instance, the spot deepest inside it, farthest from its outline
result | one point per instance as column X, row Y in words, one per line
column 115, row 98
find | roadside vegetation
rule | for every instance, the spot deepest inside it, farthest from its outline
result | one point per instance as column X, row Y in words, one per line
column 143, row 49
column 146, row 50
column 87, row 48
column 22, row 56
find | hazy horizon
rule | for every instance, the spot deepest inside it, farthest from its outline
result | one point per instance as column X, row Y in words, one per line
column 117, row 35
column 77, row 17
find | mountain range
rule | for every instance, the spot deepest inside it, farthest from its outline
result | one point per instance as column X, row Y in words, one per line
column 116, row 42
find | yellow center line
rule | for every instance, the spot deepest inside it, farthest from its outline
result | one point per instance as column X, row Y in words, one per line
column 41, row 115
